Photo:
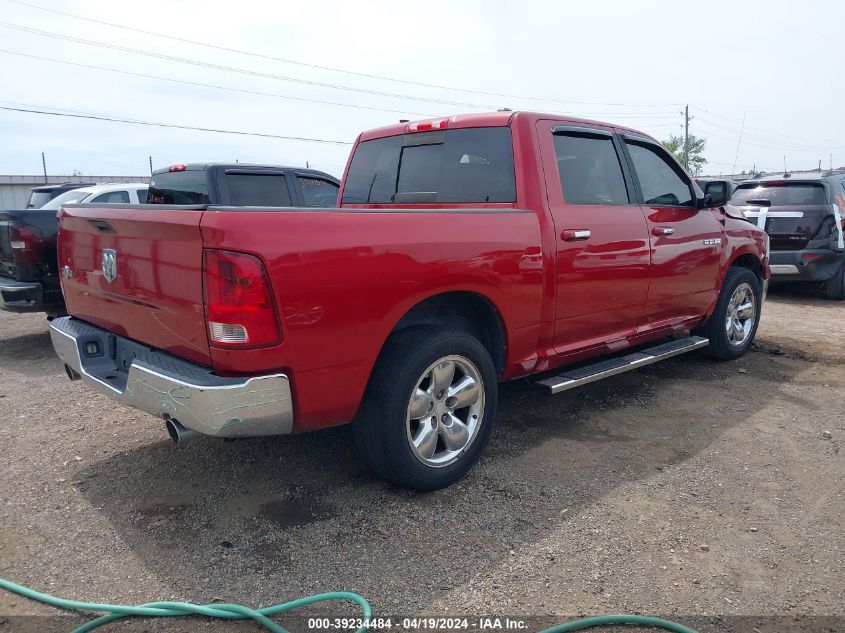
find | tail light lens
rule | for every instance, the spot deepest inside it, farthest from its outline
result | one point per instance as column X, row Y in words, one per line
column 239, row 306
column 26, row 245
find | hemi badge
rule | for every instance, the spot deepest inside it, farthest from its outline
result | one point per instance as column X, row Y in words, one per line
column 713, row 242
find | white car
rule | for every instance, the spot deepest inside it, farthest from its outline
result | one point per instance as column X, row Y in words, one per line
column 128, row 192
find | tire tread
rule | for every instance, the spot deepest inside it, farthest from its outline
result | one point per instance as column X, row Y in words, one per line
column 834, row 288
column 385, row 399
column 714, row 329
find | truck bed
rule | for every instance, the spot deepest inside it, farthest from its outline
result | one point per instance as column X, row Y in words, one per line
column 341, row 279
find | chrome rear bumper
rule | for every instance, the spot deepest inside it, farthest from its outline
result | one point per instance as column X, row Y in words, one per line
column 172, row 388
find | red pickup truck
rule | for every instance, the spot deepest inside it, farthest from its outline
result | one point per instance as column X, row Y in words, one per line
column 464, row 252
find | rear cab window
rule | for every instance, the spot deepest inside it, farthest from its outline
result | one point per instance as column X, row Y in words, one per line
column 179, row 187
column 470, row 165
column 779, row 194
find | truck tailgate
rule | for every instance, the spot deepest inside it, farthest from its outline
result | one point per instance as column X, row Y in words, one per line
column 137, row 272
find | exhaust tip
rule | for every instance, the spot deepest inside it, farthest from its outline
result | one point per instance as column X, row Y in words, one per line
column 71, row 373
column 171, row 431
column 179, row 433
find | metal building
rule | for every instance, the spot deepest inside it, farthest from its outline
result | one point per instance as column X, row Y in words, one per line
column 14, row 190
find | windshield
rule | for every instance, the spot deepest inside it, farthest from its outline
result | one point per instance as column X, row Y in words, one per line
column 780, row 194
column 68, row 197
column 39, row 198
column 467, row 165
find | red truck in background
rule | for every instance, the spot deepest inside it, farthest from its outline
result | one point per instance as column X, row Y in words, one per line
column 464, row 251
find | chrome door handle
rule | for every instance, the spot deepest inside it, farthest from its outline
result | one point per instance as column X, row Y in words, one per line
column 570, row 235
column 662, row 230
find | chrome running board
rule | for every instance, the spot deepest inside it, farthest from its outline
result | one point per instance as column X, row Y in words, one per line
column 606, row 368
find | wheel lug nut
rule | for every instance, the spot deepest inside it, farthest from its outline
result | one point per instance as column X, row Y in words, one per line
column 440, row 395
column 433, row 422
column 444, row 418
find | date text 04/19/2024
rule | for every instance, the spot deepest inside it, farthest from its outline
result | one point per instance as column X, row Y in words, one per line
column 418, row 623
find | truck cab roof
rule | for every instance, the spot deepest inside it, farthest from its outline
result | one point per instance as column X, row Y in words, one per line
column 251, row 166
column 501, row 118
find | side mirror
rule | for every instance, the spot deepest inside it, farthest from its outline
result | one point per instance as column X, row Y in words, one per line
column 716, row 194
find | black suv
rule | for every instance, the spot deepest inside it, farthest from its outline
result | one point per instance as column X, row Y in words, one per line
column 803, row 215
column 242, row 185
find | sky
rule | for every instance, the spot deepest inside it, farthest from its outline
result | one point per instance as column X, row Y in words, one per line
column 777, row 66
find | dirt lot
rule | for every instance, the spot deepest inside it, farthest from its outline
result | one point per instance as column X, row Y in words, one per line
column 690, row 489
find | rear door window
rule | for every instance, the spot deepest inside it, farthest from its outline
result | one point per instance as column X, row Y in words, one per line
column 111, row 197
column 258, row 190
column 318, row 192
column 589, row 169
column 179, row 187
column 780, row 194
column 663, row 183
column 466, row 165
column 141, row 195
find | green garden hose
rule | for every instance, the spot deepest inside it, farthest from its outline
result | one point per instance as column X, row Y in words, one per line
column 262, row 616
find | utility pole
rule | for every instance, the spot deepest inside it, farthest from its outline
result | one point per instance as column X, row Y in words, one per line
column 686, row 137
column 151, row 165
column 44, row 165
column 307, row 165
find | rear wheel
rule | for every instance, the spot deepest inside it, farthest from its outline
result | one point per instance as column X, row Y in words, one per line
column 733, row 325
column 429, row 408
column 834, row 288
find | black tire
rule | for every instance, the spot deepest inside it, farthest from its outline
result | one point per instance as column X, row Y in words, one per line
column 834, row 288
column 381, row 425
column 720, row 345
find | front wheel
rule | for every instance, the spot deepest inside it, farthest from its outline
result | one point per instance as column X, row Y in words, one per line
column 429, row 408
column 733, row 324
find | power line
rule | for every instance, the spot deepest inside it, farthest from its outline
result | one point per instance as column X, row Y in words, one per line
column 739, row 142
column 42, row 110
column 763, row 139
column 766, row 143
column 255, row 73
column 328, row 68
column 204, row 85
column 234, row 69
column 257, row 92
column 751, row 127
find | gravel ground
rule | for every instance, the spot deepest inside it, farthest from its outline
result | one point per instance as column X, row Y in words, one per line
column 704, row 491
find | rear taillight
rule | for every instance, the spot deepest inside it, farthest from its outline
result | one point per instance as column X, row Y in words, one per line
column 26, row 245
column 239, row 306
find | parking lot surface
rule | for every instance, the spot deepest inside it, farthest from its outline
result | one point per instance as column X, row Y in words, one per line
column 688, row 489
